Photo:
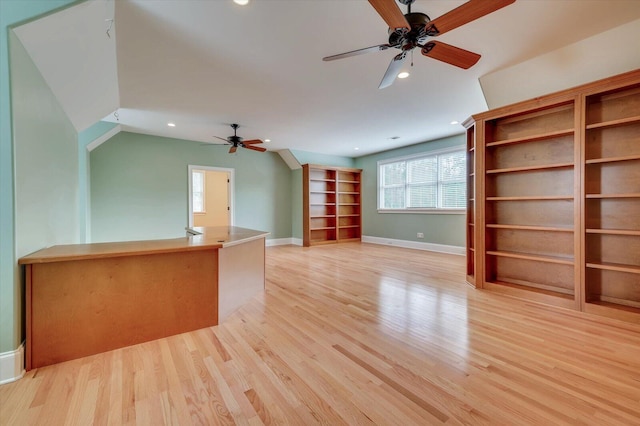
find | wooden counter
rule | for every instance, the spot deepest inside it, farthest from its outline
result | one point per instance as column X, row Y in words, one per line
column 85, row 299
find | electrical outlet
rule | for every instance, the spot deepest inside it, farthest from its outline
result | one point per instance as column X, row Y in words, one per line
column 420, row 235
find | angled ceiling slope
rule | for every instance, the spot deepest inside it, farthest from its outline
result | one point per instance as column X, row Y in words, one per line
column 77, row 59
column 206, row 64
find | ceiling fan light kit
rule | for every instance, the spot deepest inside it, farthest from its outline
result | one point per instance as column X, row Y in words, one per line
column 413, row 29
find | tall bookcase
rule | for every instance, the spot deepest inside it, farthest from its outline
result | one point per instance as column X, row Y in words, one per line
column 554, row 214
column 331, row 204
column 471, row 195
column 612, row 200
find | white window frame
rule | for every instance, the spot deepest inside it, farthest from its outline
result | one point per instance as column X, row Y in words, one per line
column 204, row 184
column 420, row 210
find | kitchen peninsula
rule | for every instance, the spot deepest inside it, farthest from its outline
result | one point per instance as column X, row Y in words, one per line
column 84, row 299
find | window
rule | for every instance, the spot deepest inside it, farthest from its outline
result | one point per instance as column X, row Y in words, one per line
column 197, row 185
column 433, row 182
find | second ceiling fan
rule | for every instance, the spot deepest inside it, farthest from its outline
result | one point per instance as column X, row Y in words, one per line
column 411, row 30
column 237, row 142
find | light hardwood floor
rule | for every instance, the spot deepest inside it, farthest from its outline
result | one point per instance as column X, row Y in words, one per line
column 356, row 334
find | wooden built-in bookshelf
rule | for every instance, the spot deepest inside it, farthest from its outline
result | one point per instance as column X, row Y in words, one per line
column 331, row 204
column 555, row 215
column 471, row 194
column 612, row 200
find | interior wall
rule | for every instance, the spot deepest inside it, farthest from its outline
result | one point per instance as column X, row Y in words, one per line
column 46, row 164
column 11, row 12
column 305, row 157
column 296, row 204
column 77, row 59
column 438, row 228
column 604, row 55
column 85, row 138
column 139, row 187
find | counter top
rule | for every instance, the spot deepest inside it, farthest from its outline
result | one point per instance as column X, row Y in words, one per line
column 206, row 238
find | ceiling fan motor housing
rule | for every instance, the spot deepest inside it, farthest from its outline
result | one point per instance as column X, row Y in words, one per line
column 407, row 40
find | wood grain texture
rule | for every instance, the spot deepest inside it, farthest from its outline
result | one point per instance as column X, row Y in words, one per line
column 356, row 334
column 83, row 307
column 210, row 237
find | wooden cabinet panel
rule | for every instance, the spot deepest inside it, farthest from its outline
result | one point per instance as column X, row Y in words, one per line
column 555, row 150
column 541, row 243
column 531, row 124
column 613, row 214
column 622, row 178
column 83, row 307
column 471, row 200
column 614, row 105
column 553, row 277
column 537, row 213
column 531, row 184
column 615, row 288
column 613, row 142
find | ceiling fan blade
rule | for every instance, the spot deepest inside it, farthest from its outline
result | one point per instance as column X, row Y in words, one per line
column 256, row 148
column 391, row 13
column 450, row 54
column 222, row 139
column 357, row 52
column 469, row 11
column 392, row 71
column 233, row 149
column 251, row 142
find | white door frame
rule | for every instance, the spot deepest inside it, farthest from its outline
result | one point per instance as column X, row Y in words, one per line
column 230, row 187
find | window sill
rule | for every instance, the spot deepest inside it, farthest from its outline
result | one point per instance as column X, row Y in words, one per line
column 424, row 211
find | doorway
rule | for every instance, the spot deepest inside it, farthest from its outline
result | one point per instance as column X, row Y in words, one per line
column 210, row 196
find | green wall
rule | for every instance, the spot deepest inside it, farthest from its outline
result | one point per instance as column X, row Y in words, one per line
column 139, row 187
column 446, row 229
column 85, row 137
column 296, row 203
column 305, row 157
column 13, row 12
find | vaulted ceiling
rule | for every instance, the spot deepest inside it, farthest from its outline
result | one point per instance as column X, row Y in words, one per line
column 205, row 64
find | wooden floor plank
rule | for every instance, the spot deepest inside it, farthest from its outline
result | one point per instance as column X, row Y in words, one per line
column 356, row 334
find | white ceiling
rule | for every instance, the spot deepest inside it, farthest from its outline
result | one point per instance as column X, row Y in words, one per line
column 206, row 64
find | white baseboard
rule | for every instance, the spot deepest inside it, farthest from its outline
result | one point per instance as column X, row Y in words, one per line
column 283, row 242
column 12, row 365
column 441, row 248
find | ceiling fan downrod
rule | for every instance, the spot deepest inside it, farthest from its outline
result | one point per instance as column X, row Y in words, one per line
column 407, row 3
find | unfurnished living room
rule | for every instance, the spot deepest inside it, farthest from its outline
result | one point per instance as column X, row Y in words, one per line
column 390, row 212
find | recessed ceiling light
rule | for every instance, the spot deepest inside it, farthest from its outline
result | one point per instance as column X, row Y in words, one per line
column 241, row 2
column 267, row 140
column 171, row 124
column 356, row 148
column 455, row 122
column 403, row 74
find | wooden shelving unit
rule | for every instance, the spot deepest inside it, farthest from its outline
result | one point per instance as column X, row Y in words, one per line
column 554, row 214
column 529, row 171
column 612, row 201
column 471, row 194
column 331, row 204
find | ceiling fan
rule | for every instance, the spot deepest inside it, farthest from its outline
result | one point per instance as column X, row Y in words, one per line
column 412, row 30
column 236, row 141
